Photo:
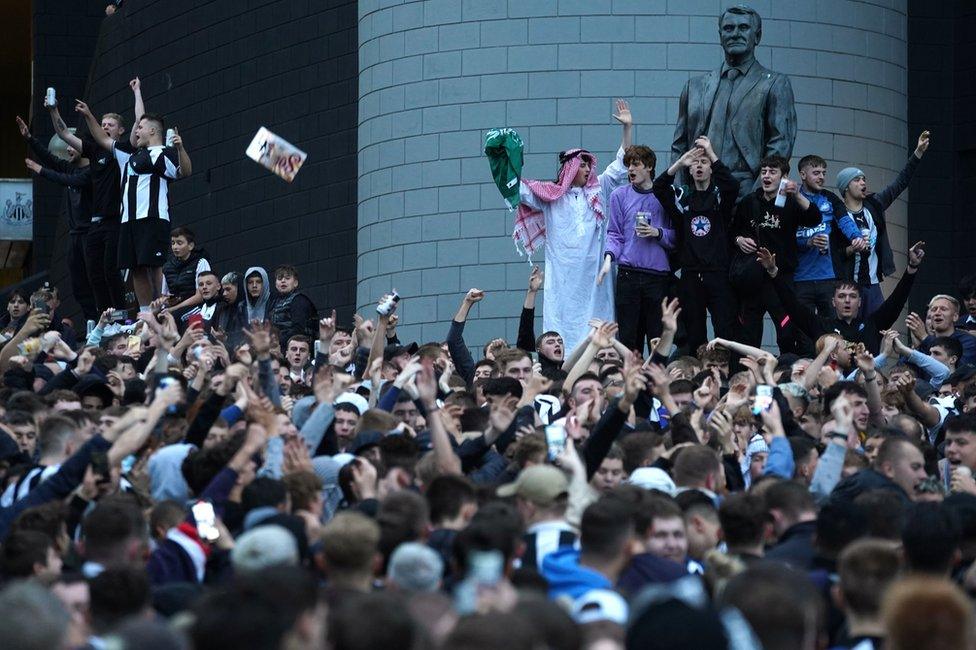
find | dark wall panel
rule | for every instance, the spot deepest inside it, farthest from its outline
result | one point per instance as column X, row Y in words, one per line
column 218, row 71
column 940, row 98
column 65, row 34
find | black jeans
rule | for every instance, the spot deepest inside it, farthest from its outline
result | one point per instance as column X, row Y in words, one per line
column 755, row 305
column 701, row 290
column 78, row 272
column 101, row 257
column 817, row 295
column 638, row 303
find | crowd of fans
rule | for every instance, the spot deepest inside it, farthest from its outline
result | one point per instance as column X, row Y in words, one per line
column 224, row 468
column 204, row 484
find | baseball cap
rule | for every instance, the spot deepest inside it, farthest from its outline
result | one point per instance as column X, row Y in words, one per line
column 353, row 399
column 364, row 440
column 393, row 351
column 540, row 484
column 263, row 547
column 652, row 478
column 600, row 605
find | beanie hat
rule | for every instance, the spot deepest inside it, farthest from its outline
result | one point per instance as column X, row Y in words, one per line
column 845, row 176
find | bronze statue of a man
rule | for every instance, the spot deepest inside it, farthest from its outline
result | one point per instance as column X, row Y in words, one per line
column 745, row 110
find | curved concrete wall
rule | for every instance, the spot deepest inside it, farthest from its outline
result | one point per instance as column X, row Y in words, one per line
column 434, row 75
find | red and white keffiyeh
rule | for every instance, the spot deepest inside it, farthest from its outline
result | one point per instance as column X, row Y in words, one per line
column 530, row 224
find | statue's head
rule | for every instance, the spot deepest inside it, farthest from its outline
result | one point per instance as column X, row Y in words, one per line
column 740, row 30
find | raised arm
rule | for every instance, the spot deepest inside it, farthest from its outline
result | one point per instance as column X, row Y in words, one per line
column 601, row 339
column 627, row 121
column 670, row 310
column 140, row 108
column 865, row 363
column 77, row 178
column 805, row 319
column 927, row 414
column 741, row 349
column 810, row 375
column 41, row 152
column 447, row 461
column 886, row 315
column 186, row 167
column 526, row 331
column 888, row 195
column 61, row 128
column 94, row 128
column 36, row 323
column 456, row 346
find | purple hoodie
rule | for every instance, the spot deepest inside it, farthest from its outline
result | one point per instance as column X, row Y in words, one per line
column 627, row 249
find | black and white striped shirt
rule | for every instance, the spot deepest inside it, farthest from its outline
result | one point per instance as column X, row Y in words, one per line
column 145, row 181
column 543, row 538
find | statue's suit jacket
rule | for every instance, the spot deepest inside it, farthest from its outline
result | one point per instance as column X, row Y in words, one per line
column 761, row 110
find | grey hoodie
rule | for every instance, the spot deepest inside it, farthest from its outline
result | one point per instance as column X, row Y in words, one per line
column 256, row 309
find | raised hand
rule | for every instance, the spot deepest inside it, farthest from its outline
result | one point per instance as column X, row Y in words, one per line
column 135, row 85
column 623, row 113
column 772, row 421
column 327, row 327
column 38, row 321
column 658, row 376
column 343, row 356
column 496, row 346
column 259, row 336
column 86, row 359
column 689, row 157
column 916, row 254
column 603, row 337
column 426, row 383
column 22, row 126
column 766, row 259
column 865, row 361
column 923, row 144
column 904, row 382
column 536, row 278
column 474, row 295
column 82, row 107
column 705, row 393
column 670, row 310
column 322, row 385
column 702, row 142
column 635, row 382
column 916, row 326
column 412, row 368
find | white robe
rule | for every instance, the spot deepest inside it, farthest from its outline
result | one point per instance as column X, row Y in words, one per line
column 574, row 253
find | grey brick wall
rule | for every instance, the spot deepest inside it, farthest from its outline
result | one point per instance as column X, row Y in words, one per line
column 436, row 74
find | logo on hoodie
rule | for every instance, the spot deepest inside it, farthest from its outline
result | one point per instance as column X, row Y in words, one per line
column 700, row 226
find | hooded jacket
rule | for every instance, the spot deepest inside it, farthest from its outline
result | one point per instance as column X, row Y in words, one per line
column 647, row 569
column 568, row 578
column 251, row 309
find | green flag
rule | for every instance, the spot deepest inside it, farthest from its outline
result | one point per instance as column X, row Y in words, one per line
column 504, row 150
